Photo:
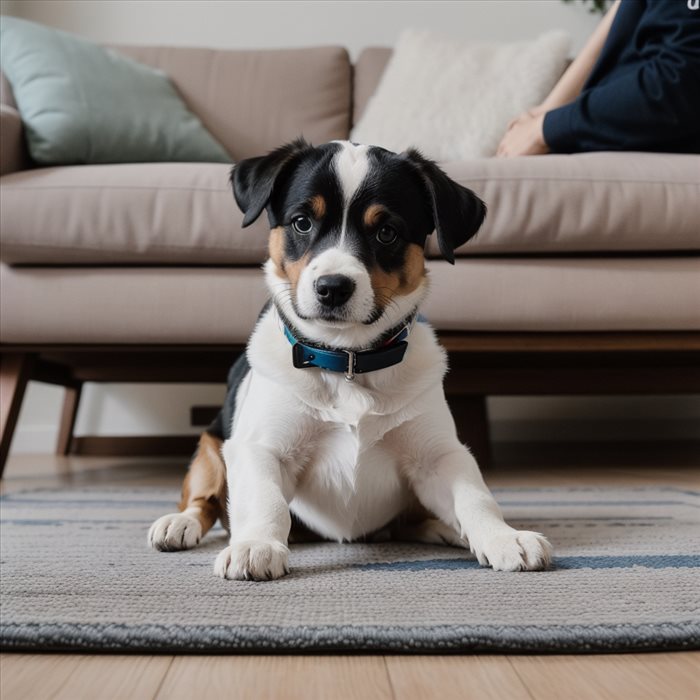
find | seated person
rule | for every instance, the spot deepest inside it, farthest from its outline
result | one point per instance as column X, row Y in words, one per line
column 635, row 86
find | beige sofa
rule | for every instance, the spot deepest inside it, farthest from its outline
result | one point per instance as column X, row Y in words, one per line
column 584, row 279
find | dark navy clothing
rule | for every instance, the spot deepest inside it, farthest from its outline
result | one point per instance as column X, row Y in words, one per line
column 644, row 91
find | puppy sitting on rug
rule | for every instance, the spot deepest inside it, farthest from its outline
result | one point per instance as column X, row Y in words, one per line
column 336, row 415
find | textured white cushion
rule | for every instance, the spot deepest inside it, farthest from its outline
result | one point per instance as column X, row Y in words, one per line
column 453, row 100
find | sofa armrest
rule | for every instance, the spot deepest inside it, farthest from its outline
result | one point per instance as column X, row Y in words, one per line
column 13, row 153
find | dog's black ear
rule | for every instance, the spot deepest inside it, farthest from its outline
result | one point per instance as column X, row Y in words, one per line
column 457, row 212
column 253, row 179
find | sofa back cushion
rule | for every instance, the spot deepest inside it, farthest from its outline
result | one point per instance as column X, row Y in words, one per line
column 368, row 72
column 253, row 101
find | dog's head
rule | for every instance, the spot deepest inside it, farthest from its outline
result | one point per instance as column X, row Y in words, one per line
column 348, row 227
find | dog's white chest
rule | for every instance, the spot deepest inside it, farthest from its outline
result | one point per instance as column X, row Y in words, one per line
column 350, row 487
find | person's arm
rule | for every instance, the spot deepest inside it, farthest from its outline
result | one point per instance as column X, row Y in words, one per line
column 575, row 76
column 524, row 134
column 653, row 104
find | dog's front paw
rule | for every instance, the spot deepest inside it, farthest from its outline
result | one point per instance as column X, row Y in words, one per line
column 514, row 550
column 256, row 560
column 174, row 532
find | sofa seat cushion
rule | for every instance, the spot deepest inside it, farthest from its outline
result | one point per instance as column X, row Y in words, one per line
column 113, row 305
column 584, row 203
column 184, row 213
column 167, row 213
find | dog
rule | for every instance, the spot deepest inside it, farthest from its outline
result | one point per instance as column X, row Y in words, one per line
column 335, row 418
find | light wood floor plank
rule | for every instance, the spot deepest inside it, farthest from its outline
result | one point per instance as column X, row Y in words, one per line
column 679, row 672
column 81, row 677
column 39, row 676
column 672, row 676
column 454, row 678
column 277, row 678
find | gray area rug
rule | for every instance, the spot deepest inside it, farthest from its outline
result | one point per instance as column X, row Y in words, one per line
column 76, row 575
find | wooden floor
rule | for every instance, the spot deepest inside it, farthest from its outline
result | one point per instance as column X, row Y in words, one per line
column 674, row 676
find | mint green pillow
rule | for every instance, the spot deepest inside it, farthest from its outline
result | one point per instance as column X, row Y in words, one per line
column 82, row 103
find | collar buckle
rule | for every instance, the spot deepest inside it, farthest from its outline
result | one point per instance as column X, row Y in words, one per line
column 350, row 374
column 300, row 358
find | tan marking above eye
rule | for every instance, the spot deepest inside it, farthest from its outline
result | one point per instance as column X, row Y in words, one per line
column 399, row 282
column 372, row 214
column 318, row 206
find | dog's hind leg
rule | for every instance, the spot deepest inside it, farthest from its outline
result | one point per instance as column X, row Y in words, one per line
column 203, row 501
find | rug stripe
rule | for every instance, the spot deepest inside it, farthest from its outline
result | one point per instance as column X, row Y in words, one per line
column 678, row 561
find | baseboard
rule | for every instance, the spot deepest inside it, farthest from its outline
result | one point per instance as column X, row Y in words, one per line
column 134, row 445
column 581, row 454
column 655, row 429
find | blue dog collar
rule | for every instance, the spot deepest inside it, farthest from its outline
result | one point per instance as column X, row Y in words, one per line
column 348, row 361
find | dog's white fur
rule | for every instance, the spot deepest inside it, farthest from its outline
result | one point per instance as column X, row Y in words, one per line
column 351, row 166
column 339, row 262
column 347, row 457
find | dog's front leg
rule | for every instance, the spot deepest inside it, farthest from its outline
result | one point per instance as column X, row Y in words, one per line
column 259, row 491
column 447, row 480
column 452, row 487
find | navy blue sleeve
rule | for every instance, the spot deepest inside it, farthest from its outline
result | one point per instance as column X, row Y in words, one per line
column 649, row 98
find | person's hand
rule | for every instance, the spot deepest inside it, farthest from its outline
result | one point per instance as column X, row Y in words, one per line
column 524, row 136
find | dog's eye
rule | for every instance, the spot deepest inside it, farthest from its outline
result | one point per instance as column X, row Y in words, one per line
column 302, row 225
column 386, row 235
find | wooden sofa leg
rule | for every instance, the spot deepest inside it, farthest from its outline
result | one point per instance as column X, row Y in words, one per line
column 69, row 413
column 471, row 416
column 15, row 371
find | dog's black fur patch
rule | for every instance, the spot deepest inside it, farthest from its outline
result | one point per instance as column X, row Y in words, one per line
column 416, row 194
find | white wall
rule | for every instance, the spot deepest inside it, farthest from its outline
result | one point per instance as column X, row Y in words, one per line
column 286, row 23
column 163, row 409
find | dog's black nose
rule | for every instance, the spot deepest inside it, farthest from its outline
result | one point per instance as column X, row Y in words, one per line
column 334, row 290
